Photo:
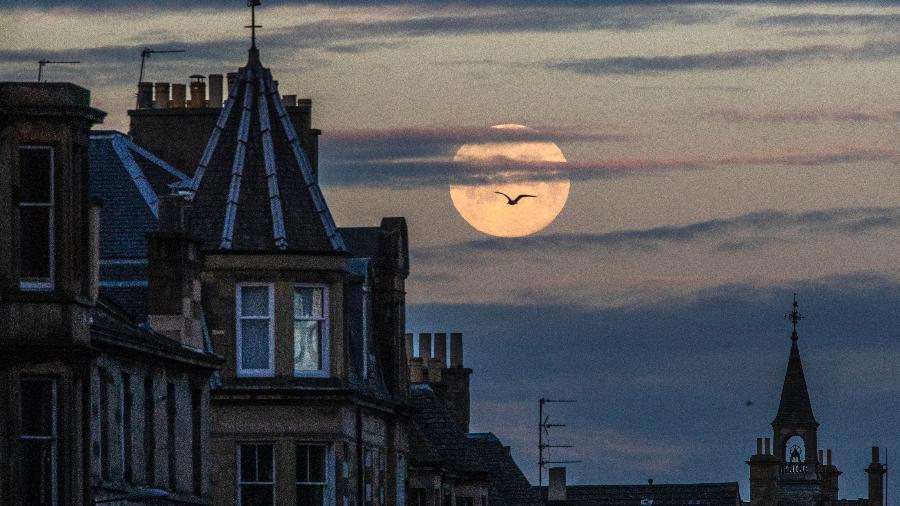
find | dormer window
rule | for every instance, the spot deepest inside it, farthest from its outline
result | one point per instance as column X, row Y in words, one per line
column 255, row 330
column 36, row 244
column 310, row 330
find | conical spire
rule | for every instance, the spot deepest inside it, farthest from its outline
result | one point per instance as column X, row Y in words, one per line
column 254, row 188
column 794, row 408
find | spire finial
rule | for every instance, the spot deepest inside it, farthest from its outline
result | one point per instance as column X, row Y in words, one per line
column 794, row 316
column 253, row 26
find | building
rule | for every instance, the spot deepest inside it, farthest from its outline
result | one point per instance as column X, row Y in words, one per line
column 98, row 405
column 558, row 493
column 794, row 470
column 448, row 465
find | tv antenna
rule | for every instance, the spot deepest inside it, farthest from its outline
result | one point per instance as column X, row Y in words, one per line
column 42, row 63
column 544, row 426
column 146, row 52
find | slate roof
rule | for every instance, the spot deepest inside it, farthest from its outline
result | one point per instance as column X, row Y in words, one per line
column 508, row 486
column 254, row 188
column 682, row 494
column 794, row 407
column 128, row 180
column 435, row 437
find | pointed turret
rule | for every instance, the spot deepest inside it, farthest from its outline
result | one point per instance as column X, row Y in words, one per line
column 254, row 188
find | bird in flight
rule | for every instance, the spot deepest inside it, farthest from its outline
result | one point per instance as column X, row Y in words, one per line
column 513, row 201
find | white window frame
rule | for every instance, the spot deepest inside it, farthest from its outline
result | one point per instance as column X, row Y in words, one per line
column 250, row 373
column 328, row 495
column 51, row 245
column 274, row 470
column 53, row 437
column 324, row 346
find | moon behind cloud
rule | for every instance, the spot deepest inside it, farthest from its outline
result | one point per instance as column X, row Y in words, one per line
column 488, row 212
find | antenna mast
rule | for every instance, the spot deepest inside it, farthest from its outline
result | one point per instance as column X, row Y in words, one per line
column 42, row 63
column 543, row 426
column 146, row 52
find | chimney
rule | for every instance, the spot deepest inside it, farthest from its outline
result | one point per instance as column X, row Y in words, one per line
column 828, row 458
column 289, row 100
column 215, row 90
column 145, row 95
column 409, row 346
column 231, row 77
column 179, row 93
column 556, row 488
column 759, row 446
column 305, row 105
column 768, row 446
column 174, row 272
column 162, row 95
column 456, row 380
column 440, row 348
column 198, row 91
column 424, row 346
column 821, row 456
column 876, row 472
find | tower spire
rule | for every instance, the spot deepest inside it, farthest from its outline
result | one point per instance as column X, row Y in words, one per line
column 794, row 408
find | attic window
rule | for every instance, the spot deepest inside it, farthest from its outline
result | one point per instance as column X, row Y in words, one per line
column 36, row 206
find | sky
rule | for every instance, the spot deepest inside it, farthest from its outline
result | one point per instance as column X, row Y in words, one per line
column 720, row 157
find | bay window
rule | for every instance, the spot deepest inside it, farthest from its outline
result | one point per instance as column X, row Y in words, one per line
column 312, row 475
column 38, row 443
column 255, row 330
column 310, row 330
column 256, row 475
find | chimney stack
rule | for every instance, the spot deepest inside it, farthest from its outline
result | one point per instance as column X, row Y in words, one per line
column 215, row 90
column 305, row 105
column 198, row 91
column 876, row 472
column 179, row 94
column 162, row 95
column 174, row 272
column 556, row 488
column 145, row 95
column 231, row 77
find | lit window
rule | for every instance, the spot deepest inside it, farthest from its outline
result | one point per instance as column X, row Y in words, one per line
column 255, row 330
column 312, row 478
column 256, row 476
column 38, row 442
column 310, row 330
column 36, row 244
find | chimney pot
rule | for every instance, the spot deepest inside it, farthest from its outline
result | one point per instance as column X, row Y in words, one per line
column 440, row 348
column 305, row 105
column 231, row 77
column 145, row 95
column 179, row 92
column 822, row 457
column 759, row 446
column 876, row 455
column 456, row 349
column 198, row 91
column 215, row 90
column 768, row 444
column 289, row 100
column 409, row 346
column 162, row 95
column 424, row 346
column 556, row 486
column 828, row 453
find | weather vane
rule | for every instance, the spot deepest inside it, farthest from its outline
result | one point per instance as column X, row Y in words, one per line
column 253, row 4
column 794, row 316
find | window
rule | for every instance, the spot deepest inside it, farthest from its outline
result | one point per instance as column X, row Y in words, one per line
column 256, row 475
column 171, row 418
column 149, row 432
column 196, row 443
column 312, row 478
column 103, row 413
column 126, row 399
column 310, row 330
column 36, row 244
column 38, row 442
column 418, row 497
column 255, row 330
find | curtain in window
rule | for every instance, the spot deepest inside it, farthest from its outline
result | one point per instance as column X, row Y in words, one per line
column 309, row 318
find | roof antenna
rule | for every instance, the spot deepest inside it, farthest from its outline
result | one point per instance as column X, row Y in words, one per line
column 42, row 63
column 253, row 4
column 543, row 427
column 146, row 52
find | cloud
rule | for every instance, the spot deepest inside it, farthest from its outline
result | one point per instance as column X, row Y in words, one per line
column 717, row 61
column 743, row 233
column 822, row 20
column 739, row 116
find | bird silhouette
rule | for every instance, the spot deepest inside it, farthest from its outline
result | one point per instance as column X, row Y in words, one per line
column 514, row 201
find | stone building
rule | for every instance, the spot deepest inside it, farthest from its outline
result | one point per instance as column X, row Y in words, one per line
column 95, row 406
column 448, row 465
column 790, row 468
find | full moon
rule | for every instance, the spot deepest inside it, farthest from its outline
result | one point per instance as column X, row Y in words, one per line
column 489, row 212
